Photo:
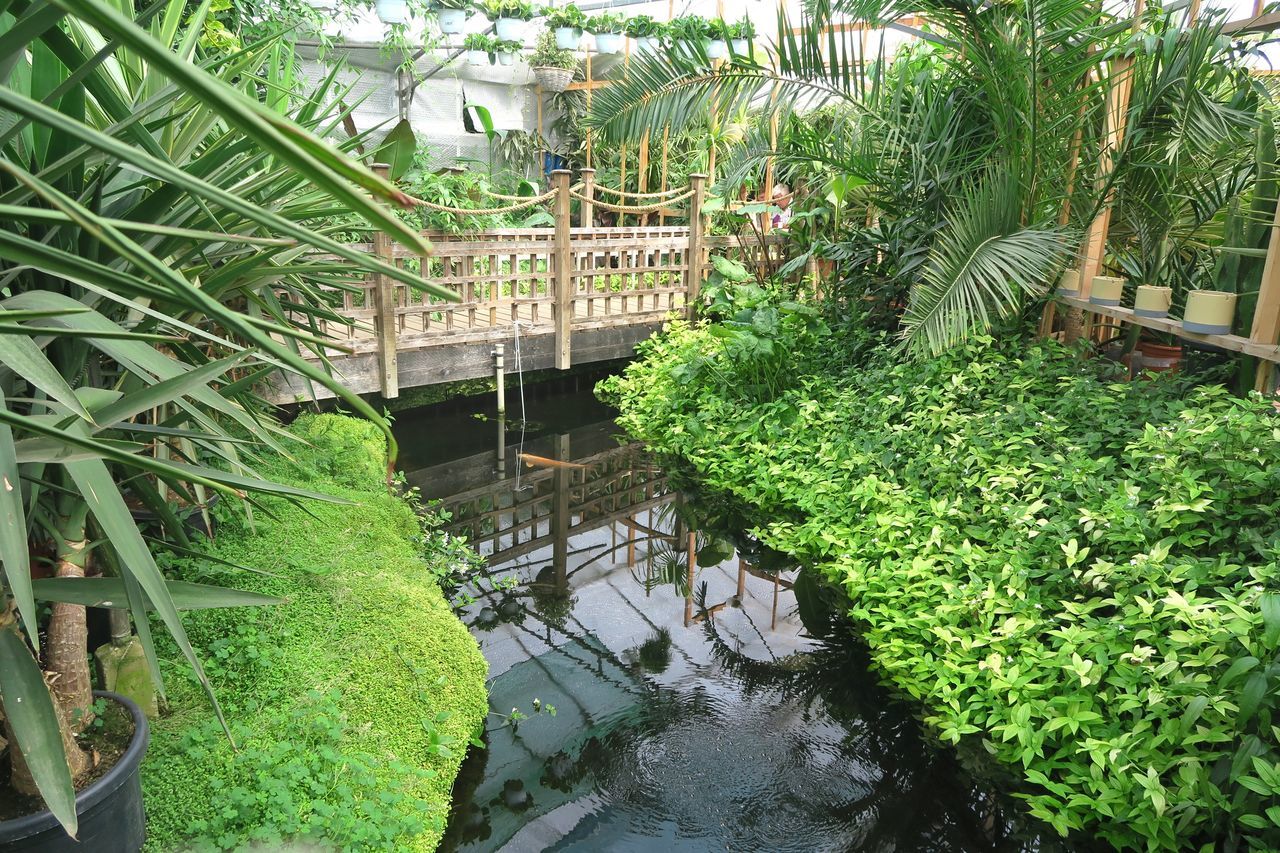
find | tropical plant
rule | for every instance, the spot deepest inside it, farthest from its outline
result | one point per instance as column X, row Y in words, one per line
column 743, row 29
column 520, row 9
column 644, row 26
column 606, row 22
column 510, row 46
column 567, row 16
column 691, row 28
column 547, row 55
column 482, row 42
column 467, row 5
column 159, row 211
column 1011, row 94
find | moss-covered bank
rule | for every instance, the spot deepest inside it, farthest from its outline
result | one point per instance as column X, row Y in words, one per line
column 353, row 703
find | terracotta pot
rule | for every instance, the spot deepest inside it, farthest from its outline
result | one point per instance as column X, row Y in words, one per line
column 1152, row 301
column 1209, row 312
column 1158, row 358
column 1069, row 284
column 1106, row 290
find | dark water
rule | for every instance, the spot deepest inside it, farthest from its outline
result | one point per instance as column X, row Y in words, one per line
column 688, row 716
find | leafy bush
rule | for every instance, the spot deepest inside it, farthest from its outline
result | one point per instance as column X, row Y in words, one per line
column 645, row 26
column 1074, row 576
column 352, row 703
column 692, row 28
column 566, row 16
column 606, row 22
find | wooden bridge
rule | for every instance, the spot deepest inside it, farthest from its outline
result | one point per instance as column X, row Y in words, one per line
column 557, row 296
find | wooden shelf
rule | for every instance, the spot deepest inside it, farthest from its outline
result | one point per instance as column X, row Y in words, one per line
column 1235, row 343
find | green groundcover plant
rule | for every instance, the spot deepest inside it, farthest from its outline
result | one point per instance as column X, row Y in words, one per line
column 1075, row 576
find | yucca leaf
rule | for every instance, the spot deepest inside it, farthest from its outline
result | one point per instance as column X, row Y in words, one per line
column 111, row 593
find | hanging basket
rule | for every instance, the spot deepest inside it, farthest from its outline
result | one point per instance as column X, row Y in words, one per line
column 553, row 79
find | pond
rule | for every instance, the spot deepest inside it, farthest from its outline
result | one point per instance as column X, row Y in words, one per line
column 692, row 708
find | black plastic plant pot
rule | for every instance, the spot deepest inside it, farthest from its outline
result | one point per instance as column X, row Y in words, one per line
column 111, row 815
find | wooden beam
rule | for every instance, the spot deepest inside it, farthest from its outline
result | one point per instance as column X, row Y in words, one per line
column 588, row 85
column 1266, row 315
column 563, row 281
column 384, row 301
column 1234, row 343
column 1254, row 24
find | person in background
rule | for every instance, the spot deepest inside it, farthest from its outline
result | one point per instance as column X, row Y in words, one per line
column 782, row 195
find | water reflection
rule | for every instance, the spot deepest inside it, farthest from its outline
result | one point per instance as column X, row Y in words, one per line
column 693, row 710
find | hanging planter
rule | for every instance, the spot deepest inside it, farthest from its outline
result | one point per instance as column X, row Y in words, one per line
column 1152, row 301
column 477, row 57
column 109, row 810
column 553, row 80
column 1107, row 290
column 609, row 43
column 1209, row 312
column 391, row 11
column 741, row 47
column 568, row 38
column 511, row 29
column 715, row 48
column 478, row 49
column 452, row 21
column 506, row 58
column 647, row 44
column 1069, row 284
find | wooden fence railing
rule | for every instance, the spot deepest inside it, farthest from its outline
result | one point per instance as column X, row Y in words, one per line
column 547, row 280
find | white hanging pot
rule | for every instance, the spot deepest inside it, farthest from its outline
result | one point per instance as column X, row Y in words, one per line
column 1069, row 284
column 506, row 59
column 477, row 57
column 741, row 47
column 1209, row 312
column 716, row 48
column 511, row 29
column 1106, row 290
column 568, row 38
column 609, row 43
column 647, row 44
column 391, row 11
column 1152, row 301
column 452, row 21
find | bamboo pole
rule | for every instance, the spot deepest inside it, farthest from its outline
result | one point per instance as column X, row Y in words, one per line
column 1266, row 315
column 384, row 301
column 666, row 152
column 642, row 173
column 563, row 283
column 589, row 88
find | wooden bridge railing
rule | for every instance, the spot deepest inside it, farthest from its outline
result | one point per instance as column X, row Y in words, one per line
column 512, row 277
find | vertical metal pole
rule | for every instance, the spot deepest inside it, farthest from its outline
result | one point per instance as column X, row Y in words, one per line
column 563, row 304
column 384, row 303
column 500, row 376
column 587, row 209
column 502, row 446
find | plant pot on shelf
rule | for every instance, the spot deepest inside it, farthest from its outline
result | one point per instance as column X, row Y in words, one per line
column 568, row 38
column 506, row 58
column 477, row 57
column 451, row 21
column 1069, row 284
column 110, row 810
column 1209, row 312
column 511, row 29
column 391, row 11
column 1107, row 290
column 553, row 79
column 609, row 43
column 1152, row 301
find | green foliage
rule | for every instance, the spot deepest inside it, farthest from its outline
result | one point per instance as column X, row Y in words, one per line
column 547, row 55
column 351, row 703
column 645, row 26
column 481, row 41
column 1073, row 575
column 568, row 15
column 606, row 22
column 521, row 9
column 692, row 28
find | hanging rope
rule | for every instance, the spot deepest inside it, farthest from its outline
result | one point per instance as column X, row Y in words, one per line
column 626, row 208
column 487, row 211
column 502, row 197
column 625, row 194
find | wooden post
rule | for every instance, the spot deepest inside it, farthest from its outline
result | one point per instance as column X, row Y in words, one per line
column 766, row 224
column 642, row 174
column 384, row 304
column 742, row 580
column 666, row 152
column 693, row 281
column 1266, row 314
column 563, row 295
column 587, row 209
column 692, row 558
column 560, row 519
column 589, row 88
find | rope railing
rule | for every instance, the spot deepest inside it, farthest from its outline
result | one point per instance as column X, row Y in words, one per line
column 626, row 194
column 627, row 208
column 503, row 197
column 488, row 211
